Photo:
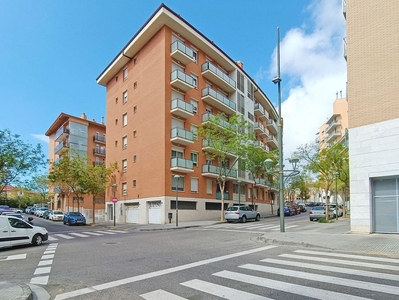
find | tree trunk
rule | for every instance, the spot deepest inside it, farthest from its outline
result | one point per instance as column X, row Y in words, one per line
column 94, row 209
column 221, row 185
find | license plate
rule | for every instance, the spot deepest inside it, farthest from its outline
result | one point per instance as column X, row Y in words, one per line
column 78, row 221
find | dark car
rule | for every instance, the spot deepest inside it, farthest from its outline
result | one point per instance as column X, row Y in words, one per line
column 302, row 207
column 288, row 210
column 74, row 218
column 46, row 214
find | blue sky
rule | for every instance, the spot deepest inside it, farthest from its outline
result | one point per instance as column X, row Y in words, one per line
column 52, row 52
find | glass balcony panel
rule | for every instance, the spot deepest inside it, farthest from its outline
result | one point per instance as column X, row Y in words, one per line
column 181, row 108
column 209, row 117
column 181, row 136
column 218, row 100
column 218, row 170
column 181, row 165
column 218, row 76
column 181, row 52
column 182, row 81
column 62, row 131
column 219, row 196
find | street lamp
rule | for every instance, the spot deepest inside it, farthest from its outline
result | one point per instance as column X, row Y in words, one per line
column 177, row 177
column 114, row 186
column 336, row 174
column 289, row 173
column 239, row 192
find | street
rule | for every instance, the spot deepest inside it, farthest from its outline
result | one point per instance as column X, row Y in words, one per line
column 225, row 260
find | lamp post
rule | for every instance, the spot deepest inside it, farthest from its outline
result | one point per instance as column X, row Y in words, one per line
column 336, row 174
column 239, row 192
column 114, row 186
column 290, row 173
column 177, row 177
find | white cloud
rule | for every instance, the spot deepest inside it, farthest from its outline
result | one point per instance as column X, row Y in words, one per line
column 41, row 137
column 313, row 70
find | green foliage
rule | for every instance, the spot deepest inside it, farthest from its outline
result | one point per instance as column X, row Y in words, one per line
column 18, row 159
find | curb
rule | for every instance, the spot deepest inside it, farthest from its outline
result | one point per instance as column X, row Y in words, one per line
column 11, row 290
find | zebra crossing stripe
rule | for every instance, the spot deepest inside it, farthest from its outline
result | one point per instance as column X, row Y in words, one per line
column 326, row 279
column 119, row 231
column 43, row 280
column 15, row 257
column 221, row 291
column 286, row 227
column 161, row 294
column 330, row 268
column 351, row 256
column 64, row 236
column 296, row 289
column 92, row 233
column 50, row 238
column 342, row 262
column 106, row 232
column 79, row 234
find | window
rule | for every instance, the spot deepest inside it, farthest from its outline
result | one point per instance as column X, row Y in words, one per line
column 194, row 103
column 134, row 158
column 195, row 55
column 135, row 85
column 116, row 100
column 124, row 96
column 195, row 80
column 124, row 189
column 208, row 160
column 194, row 158
column 124, row 165
column 240, row 81
column 194, row 185
column 135, row 133
column 116, row 122
column 116, row 143
column 177, row 153
column 241, row 103
column 135, row 109
column 124, row 142
column 116, row 78
column 250, row 91
column 209, row 186
column 194, row 130
column 134, row 183
column 208, row 110
column 179, row 183
column 125, row 119
column 125, row 73
column 250, row 116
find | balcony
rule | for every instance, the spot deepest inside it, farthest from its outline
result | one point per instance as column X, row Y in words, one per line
column 260, row 129
column 207, row 118
column 215, row 171
column 61, row 133
column 181, row 108
column 344, row 8
column 261, row 182
column 182, row 53
column 181, row 136
column 61, row 146
column 217, row 76
column 99, row 163
column 181, row 80
column 272, row 141
column 219, row 196
column 100, row 152
column 332, row 125
column 333, row 135
column 272, row 126
column 260, row 112
column 206, row 146
column 181, row 165
column 218, row 100
column 99, row 139
column 344, row 48
column 261, row 145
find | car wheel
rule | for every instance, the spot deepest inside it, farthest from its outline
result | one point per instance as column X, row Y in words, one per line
column 244, row 219
column 311, row 219
column 37, row 240
column 257, row 218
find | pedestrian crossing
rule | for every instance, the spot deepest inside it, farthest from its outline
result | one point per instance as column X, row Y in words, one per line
column 84, row 234
column 301, row 273
column 250, row 226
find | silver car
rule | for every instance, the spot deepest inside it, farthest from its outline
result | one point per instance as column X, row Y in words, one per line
column 241, row 213
column 318, row 212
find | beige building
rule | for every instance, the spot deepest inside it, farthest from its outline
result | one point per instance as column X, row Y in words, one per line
column 165, row 83
column 371, row 49
column 335, row 128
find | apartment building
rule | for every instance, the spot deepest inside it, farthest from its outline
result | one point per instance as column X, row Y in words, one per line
column 334, row 129
column 165, row 83
column 371, row 49
column 87, row 138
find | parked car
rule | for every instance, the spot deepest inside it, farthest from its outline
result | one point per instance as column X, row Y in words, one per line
column 318, row 212
column 74, row 218
column 296, row 208
column 32, row 210
column 13, row 214
column 302, row 207
column 340, row 210
column 46, row 214
column 241, row 213
column 5, row 210
column 14, row 231
column 27, row 210
column 288, row 210
column 40, row 211
column 56, row 215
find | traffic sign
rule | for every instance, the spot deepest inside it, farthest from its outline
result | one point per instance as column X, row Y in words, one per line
column 114, row 199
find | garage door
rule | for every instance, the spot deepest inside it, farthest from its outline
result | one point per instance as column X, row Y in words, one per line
column 132, row 213
column 386, row 205
column 154, row 212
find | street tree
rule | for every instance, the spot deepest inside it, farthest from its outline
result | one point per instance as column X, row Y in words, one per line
column 18, row 159
column 40, row 185
column 224, row 142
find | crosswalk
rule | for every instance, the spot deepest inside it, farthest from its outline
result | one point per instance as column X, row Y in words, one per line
column 302, row 273
column 84, row 234
column 250, row 226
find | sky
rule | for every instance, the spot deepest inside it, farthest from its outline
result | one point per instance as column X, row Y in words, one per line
column 51, row 53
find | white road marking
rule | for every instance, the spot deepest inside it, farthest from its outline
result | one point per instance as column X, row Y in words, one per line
column 50, row 238
column 43, row 270
column 64, row 236
column 161, row 294
column 43, row 280
column 106, row 232
column 45, row 262
column 329, row 268
column 382, row 259
column 49, row 251
column 78, row 234
column 120, row 282
column 295, row 289
column 92, row 233
column 326, row 279
column 119, row 231
column 286, row 227
column 221, row 291
column 14, row 257
column 343, row 262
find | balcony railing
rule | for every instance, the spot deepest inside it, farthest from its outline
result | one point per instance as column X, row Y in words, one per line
column 99, row 151
column 272, row 126
column 219, row 196
column 215, row 170
column 98, row 163
column 60, row 146
column 216, row 75
column 99, row 139
column 181, row 52
column 218, row 100
column 260, row 181
column 181, row 136
column 332, row 124
column 271, row 139
column 60, row 132
column 181, row 165
column 182, row 81
column 206, row 117
column 344, row 47
column 344, row 7
column 334, row 134
column 181, row 108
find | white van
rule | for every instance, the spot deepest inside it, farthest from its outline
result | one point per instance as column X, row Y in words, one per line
column 15, row 231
